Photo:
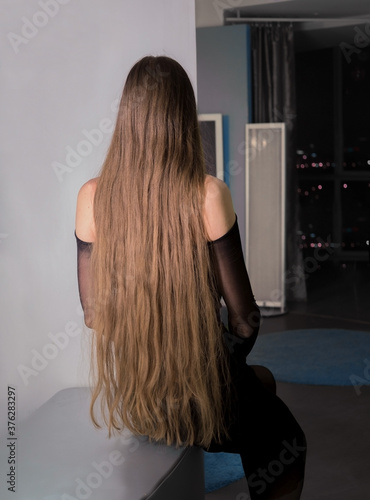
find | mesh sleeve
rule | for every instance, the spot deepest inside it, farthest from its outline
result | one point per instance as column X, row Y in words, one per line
column 234, row 286
column 84, row 278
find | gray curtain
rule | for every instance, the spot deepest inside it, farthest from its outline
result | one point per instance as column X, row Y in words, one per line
column 273, row 73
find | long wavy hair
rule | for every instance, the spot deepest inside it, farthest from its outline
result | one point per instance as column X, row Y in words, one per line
column 159, row 361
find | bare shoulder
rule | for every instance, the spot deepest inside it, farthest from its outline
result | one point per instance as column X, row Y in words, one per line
column 87, row 190
column 219, row 214
column 85, row 226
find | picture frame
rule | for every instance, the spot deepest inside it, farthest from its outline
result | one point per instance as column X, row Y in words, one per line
column 211, row 130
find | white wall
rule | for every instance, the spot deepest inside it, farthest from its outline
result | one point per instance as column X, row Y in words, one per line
column 63, row 65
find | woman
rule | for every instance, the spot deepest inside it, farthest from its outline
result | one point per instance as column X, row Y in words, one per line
column 158, row 245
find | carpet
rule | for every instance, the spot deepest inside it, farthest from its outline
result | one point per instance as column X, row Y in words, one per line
column 221, row 469
column 316, row 356
column 313, row 357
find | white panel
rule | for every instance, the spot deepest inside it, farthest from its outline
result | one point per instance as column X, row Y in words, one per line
column 265, row 212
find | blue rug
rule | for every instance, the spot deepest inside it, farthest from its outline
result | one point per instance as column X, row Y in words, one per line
column 221, row 469
column 318, row 356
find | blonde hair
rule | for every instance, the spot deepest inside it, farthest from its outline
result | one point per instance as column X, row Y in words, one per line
column 159, row 361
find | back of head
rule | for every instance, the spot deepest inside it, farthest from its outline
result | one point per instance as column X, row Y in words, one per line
column 159, row 110
column 158, row 353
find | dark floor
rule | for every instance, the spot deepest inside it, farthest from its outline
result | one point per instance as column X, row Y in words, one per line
column 337, row 297
column 336, row 420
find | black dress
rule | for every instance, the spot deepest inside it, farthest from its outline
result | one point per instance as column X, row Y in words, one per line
column 261, row 428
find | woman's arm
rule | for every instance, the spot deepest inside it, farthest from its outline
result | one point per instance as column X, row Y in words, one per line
column 85, row 236
column 218, row 213
column 230, row 270
column 85, row 225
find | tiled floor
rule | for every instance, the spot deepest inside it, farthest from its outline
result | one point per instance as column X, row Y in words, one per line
column 336, row 420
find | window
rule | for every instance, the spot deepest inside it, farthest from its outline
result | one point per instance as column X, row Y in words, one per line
column 333, row 151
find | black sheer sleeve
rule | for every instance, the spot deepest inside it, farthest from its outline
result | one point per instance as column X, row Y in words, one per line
column 84, row 278
column 234, row 286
